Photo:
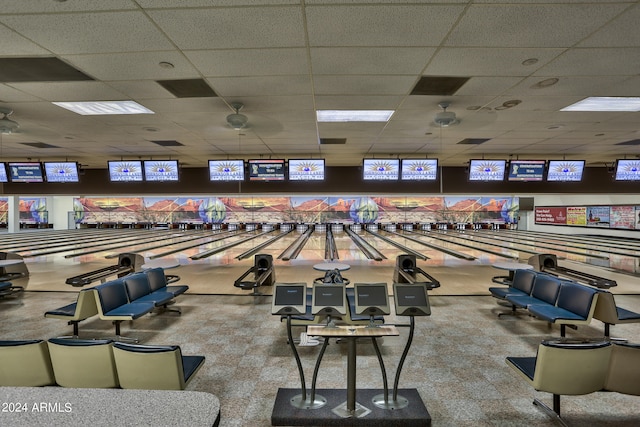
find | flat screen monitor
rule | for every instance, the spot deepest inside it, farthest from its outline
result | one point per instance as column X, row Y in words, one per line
column 289, row 298
column 328, row 299
column 486, row 170
column 380, row 169
column 526, row 170
column 26, row 172
column 411, row 299
column 3, row 173
column 160, row 170
column 419, row 169
column 125, row 170
column 565, row 170
column 372, row 298
column 627, row 170
column 306, row 169
column 266, row 170
column 61, row 171
column 226, row 170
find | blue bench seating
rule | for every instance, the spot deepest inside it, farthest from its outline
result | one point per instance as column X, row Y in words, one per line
column 25, row 363
column 552, row 299
column 575, row 305
column 8, row 288
column 113, row 304
column 83, row 363
column 139, row 290
column 579, row 368
column 74, row 313
column 522, row 284
column 154, row 367
column 158, row 281
column 545, row 291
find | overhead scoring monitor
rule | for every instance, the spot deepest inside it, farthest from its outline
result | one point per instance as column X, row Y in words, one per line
column 526, row 170
column 266, row 170
column 25, row 172
column 125, row 170
column 160, row 170
column 289, row 298
column 411, row 299
column 486, row 170
column 565, row 170
column 306, row 169
column 419, row 169
column 380, row 169
column 226, row 170
column 372, row 298
column 627, row 170
column 329, row 299
column 3, row 173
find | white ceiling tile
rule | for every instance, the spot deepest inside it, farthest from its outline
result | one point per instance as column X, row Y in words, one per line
column 249, row 62
column 369, row 60
column 484, row 61
column 259, row 86
column 556, row 25
column 134, row 66
column 363, row 85
column 382, row 25
column 610, row 61
column 621, row 31
column 90, row 32
column 70, row 91
column 228, row 28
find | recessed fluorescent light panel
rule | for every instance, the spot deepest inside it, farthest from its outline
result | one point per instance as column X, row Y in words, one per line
column 354, row 115
column 97, row 108
column 605, row 103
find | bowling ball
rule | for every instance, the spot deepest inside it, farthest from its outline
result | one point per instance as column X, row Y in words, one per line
column 364, row 211
column 212, row 211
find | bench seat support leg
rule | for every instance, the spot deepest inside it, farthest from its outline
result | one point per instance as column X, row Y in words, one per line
column 555, row 412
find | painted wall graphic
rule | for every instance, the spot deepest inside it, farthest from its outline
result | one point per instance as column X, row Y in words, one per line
column 33, row 210
column 4, row 209
column 296, row 209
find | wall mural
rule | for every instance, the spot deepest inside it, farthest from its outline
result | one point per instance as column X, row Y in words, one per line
column 296, row 209
column 33, row 210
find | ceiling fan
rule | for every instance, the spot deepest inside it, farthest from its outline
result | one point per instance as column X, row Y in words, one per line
column 7, row 126
column 445, row 118
column 236, row 120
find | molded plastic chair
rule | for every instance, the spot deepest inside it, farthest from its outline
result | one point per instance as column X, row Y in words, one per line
column 76, row 312
column 25, row 363
column 83, row 363
column 563, row 367
column 154, row 367
column 624, row 369
column 610, row 314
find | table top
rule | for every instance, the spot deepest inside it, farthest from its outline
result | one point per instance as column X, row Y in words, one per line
column 512, row 266
column 352, row 331
column 6, row 262
column 164, row 264
column 327, row 266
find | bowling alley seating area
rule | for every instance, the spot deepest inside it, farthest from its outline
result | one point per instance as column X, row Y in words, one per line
column 579, row 368
column 122, row 299
column 551, row 299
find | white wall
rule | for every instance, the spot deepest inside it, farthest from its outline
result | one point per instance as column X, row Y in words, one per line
column 582, row 200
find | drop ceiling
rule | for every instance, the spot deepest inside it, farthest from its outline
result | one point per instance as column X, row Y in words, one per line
column 285, row 59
